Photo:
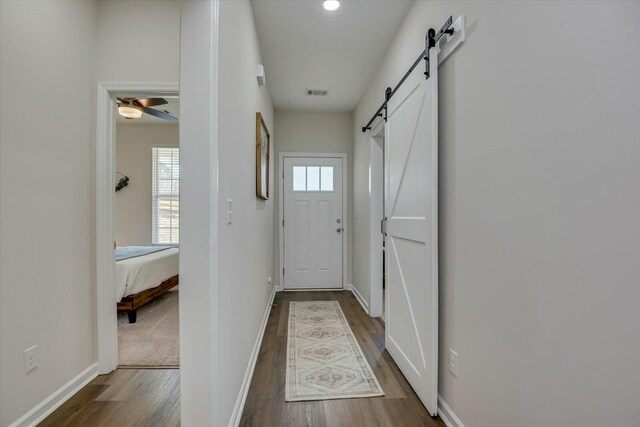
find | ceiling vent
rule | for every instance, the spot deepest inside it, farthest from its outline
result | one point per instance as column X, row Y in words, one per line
column 316, row 92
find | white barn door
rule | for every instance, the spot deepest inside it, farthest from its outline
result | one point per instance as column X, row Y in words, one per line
column 411, row 195
column 313, row 223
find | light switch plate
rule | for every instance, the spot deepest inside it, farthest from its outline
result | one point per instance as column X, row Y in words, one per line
column 453, row 362
column 229, row 211
column 30, row 360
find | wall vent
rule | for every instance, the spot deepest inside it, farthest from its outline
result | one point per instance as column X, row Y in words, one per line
column 316, row 92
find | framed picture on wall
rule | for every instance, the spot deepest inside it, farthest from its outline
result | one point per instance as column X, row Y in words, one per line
column 263, row 148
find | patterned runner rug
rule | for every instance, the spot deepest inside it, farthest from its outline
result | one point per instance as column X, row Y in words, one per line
column 324, row 360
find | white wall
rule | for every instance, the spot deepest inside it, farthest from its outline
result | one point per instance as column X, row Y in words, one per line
column 56, row 51
column 539, row 208
column 139, row 40
column 47, row 297
column 133, row 158
column 245, row 247
column 312, row 132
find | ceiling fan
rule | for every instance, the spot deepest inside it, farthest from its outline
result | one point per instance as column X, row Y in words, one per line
column 132, row 108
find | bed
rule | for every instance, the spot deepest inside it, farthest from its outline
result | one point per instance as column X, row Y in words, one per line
column 142, row 274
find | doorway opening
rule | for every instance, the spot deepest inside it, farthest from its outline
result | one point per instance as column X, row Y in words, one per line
column 114, row 285
column 377, row 247
column 146, row 230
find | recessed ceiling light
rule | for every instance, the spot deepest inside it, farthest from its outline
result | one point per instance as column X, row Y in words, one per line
column 331, row 5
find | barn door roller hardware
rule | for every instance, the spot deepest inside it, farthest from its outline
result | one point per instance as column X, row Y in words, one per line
column 431, row 39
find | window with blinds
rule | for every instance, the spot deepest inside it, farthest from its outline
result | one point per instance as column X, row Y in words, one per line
column 165, row 196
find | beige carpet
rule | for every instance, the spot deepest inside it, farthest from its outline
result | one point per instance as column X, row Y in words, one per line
column 324, row 360
column 154, row 339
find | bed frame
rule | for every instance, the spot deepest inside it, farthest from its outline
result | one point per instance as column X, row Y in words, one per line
column 131, row 303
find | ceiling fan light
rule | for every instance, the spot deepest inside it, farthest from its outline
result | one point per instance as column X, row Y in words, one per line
column 130, row 111
column 331, row 5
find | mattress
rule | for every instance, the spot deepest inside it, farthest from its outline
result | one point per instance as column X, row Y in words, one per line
column 138, row 274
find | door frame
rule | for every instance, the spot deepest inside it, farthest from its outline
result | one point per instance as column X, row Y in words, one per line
column 106, row 316
column 345, row 210
column 376, row 214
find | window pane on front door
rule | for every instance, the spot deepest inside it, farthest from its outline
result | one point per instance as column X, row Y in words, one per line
column 313, row 178
column 326, row 178
column 299, row 178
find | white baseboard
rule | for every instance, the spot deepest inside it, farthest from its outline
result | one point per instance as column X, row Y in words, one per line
column 361, row 300
column 246, row 382
column 43, row 409
column 447, row 415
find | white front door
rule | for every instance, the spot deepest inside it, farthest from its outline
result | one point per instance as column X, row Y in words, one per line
column 411, row 196
column 313, row 223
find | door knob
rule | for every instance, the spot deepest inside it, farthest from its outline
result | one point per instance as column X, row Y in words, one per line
column 339, row 230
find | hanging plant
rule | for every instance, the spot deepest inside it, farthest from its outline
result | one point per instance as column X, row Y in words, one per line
column 122, row 182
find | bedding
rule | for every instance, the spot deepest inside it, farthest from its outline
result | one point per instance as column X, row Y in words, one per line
column 144, row 272
column 126, row 252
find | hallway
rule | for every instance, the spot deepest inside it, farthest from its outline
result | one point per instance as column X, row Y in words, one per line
column 298, row 169
column 265, row 405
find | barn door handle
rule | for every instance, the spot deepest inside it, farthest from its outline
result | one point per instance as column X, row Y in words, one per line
column 383, row 225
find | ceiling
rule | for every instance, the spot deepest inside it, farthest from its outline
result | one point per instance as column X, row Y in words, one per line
column 305, row 47
column 172, row 106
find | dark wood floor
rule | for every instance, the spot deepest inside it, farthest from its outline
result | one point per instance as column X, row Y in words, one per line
column 125, row 397
column 151, row 397
column 266, row 406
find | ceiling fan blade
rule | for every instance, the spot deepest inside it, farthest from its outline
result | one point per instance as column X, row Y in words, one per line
column 151, row 102
column 160, row 114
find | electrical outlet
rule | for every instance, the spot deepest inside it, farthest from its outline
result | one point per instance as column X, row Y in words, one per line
column 30, row 361
column 453, row 362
